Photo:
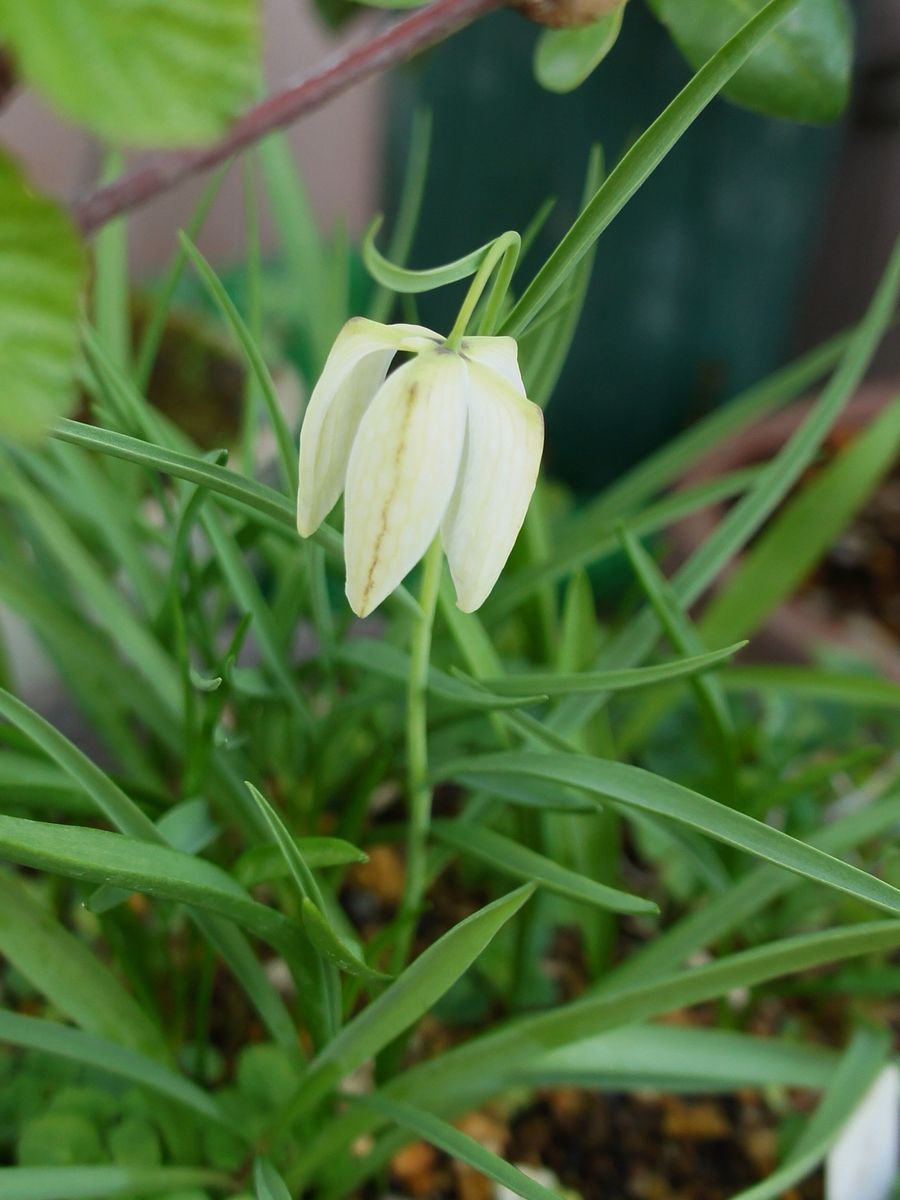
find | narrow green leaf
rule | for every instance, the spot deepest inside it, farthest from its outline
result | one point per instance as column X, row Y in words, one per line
column 681, row 632
column 514, row 859
column 853, row 1077
column 287, row 452
column 564, row 58
column 803, row 531
column 97, row 854
column 74, row 980
column 155, row 325
column 261, row 501
column 590, row 541
column 497, row 1054
column 866, row 691
column 771, row 486
column 458, row 1145
column 391, row 663
column 331, row 946
column 268, row 1183
column 487, row 1065
column 641, row 159
column 42, row 272
column 673, row 1058
column 801, row 72
column 112, row 1058
column 733, row 909
column 98, row 1183
column 154, row 81
column 536, row 683
column 671, row 461
column 646, row 792
column 407, row 999
column 260, row 864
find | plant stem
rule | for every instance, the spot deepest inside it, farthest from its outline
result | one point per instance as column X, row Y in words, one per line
column 417, row 751
column 401, row 41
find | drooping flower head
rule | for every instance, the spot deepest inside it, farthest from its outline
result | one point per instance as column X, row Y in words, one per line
column 447, row 442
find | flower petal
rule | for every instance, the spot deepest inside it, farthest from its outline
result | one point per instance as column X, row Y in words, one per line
column 355, row 369
column 401, row 475
column 500, row 354
column 504, row 440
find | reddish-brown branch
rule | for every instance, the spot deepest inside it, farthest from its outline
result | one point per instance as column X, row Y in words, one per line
column 400, row 42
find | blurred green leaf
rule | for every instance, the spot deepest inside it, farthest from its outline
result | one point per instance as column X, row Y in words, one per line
column 62, row 967
column 802, row 72
column 98, row 1183
column 458, row 1145
column 260, row 864
column 110, row 1057
column 646, row 792
column 156, row 75
column 141, row 866
column 508, row 856
column 42, row 272
column 640, row 161
column 268, row 1183
column 803, row 532
column 558, row 683
column 855, row 1074
column 564, row 58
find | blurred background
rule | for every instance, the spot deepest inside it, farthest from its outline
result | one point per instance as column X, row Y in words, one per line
column 756, row 238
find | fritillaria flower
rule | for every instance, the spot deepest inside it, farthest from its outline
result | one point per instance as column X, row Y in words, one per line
column 447, row 442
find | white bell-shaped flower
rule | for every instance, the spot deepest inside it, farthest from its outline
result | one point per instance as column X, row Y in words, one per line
column 448, row 441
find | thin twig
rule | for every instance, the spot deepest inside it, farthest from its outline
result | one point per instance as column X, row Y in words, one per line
column 398, row 43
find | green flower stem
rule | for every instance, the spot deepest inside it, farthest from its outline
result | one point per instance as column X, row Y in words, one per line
column 417, row 751
column 502, row 253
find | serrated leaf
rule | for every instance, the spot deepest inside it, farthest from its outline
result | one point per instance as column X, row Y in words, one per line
column 141, row 73
column 42, row 272
column 801, row 72
column 564, row 58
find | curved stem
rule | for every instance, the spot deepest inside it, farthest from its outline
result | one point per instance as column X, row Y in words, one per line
column 417, row 750
column 505, row 252
column 401, row 41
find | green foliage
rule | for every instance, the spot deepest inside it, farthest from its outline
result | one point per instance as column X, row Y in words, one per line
column 219, row 977
column 801, row 73
column 139, row 74
column 564, row 58
column 43, row 273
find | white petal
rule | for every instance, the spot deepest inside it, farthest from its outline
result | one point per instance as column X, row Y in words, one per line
column 401, row 475
column 504, row 440
column 500, row 354
column 354, row 371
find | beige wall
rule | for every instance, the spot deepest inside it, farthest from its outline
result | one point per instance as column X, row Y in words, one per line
column 337, row 147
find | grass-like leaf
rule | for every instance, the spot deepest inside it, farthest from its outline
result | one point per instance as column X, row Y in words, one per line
column 634, row 787
column 511, row 857
column 101, row 1183
column 537, row 683
column 112, row 1058
column 69, row 975
column 641, row 159
column 457, row 1144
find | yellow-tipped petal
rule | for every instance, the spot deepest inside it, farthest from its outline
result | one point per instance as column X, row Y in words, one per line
column 401, row 474
column 355, row 369
column 500, row 354
column 504, row 441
